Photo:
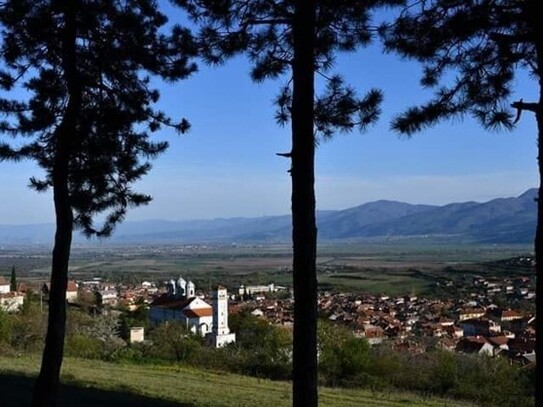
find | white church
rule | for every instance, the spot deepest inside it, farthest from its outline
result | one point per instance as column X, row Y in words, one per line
column 181, row 304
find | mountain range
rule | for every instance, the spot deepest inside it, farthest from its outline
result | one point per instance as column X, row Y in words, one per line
column 502, row 220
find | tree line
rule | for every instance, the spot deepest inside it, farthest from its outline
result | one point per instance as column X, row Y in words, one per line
column 78, row 100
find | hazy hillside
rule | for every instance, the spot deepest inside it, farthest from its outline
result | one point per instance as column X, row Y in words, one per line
column 502, row 220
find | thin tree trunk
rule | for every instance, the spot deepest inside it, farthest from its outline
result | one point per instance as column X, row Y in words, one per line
column 532, row 13
column 539, row 257
column 304, row 230
column 47, row 385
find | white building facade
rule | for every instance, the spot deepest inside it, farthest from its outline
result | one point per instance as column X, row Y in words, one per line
column 220, row 334
column 181, row 304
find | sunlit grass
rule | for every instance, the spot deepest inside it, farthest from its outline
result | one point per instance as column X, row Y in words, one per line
column 189, row 386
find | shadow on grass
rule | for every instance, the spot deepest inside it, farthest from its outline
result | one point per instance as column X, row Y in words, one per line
column 16, row 391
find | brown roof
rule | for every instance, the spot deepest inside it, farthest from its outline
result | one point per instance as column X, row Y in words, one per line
column 164, row 301
column 72, row 286
column 3, row 281
column 471, row 344
column 465, row 311
column 198, row 312
column 510, row 313
column 498, row 340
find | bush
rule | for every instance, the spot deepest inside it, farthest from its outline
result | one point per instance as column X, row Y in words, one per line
column 83, row 346
column 171, row 341
column 5, row 327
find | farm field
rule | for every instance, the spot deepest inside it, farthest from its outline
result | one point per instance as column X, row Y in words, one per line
column 391, row 268
column 94, row 383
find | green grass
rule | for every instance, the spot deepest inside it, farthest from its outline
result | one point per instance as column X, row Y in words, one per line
column 96, row 383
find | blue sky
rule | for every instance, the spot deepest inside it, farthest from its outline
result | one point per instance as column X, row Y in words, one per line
column 226, row 165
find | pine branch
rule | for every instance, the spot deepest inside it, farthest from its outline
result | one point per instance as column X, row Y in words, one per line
column 520, row 106
column 510, row 38
column 286, row 155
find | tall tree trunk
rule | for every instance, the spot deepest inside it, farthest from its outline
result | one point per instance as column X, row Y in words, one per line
column 47, row 385
column 48, row 382
column 532, row 13
column 304, row 230
column 539, row 251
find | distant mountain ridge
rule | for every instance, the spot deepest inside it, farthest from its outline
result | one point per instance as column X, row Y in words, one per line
column 501, row 220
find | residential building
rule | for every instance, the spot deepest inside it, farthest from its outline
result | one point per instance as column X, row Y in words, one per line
column 4, row 286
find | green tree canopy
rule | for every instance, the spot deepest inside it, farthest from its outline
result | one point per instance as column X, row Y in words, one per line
column 13, row 280
column 79, row 102
column 294, row 40
column 472, row 53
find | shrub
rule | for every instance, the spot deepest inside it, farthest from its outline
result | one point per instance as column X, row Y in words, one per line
column 83, row 346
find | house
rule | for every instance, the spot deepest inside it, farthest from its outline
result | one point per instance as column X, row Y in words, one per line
column 475, row 344
column 373, row 334
column 499, row 342
column 482, row 326
column 149, row 287
column 107, row 297
column 470, row 313
column 4, row 286
column 71, row 290
column 259, row 289
column 509, row 315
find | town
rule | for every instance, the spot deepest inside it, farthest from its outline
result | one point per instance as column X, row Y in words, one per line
column 484, row 322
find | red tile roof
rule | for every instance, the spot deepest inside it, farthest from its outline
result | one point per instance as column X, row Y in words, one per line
column 498, row 340
column 510, row 314
column 198, row 312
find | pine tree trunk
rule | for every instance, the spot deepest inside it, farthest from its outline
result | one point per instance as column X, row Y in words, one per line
column 48, row 382
column 47, row 385
column 304, row 230
column 533, row 15
column 539, row 256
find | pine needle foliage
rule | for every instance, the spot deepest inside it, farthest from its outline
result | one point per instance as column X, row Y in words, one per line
column 472, row 52
column 295, row 40
column 262, row 31
column 119, row 46
column 78, row 101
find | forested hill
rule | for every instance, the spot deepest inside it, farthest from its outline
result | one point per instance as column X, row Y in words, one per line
column 502, row 220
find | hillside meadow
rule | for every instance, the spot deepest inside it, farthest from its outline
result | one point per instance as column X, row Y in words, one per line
column 96, row 383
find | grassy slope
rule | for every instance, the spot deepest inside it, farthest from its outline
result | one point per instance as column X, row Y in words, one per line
column 159, row 386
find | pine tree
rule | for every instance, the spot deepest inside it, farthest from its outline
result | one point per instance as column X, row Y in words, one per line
column 13, row 280
column 80, row 104
column 295, row 39
column 482, row 45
